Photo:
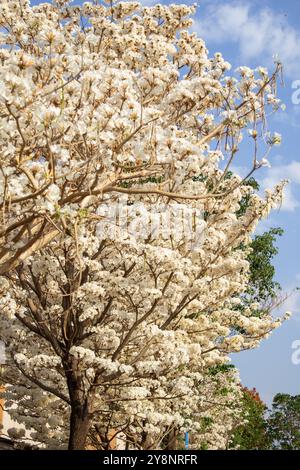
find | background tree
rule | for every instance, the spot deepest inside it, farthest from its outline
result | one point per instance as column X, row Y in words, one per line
column 252, row 433
column 284, row 422
column 263, row 288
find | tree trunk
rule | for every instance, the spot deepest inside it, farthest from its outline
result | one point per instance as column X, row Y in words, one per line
column 172, row 440
column 80, row 401
column 79, row 427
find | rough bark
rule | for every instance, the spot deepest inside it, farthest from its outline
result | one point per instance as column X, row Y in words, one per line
column 172, row 443
column 79, row 427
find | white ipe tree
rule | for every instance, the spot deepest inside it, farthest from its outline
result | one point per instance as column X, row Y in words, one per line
column 106, row 331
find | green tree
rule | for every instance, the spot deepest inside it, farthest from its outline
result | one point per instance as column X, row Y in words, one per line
column 284, row 422
column 262, row 289
column 252, row 435
column 262, row 286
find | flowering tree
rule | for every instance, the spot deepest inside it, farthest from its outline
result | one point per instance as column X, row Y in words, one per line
column 123, row 252
column 94, row 97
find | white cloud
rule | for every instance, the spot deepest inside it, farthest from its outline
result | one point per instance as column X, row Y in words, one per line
column 259, row 33
column 291, row 118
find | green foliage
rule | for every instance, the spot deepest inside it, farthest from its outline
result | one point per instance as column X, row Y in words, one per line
column 245, row 201
column 284, row 422
column 262, row 286
column 204, row 446
column 206, row 422
column 150, row 179
column 201, row 178
column 253, row 434
column 205, row 425
column 223, row 368
column 204, row 179
column 280, row 430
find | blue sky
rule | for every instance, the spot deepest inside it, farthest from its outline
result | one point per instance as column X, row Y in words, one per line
column 250, row 33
